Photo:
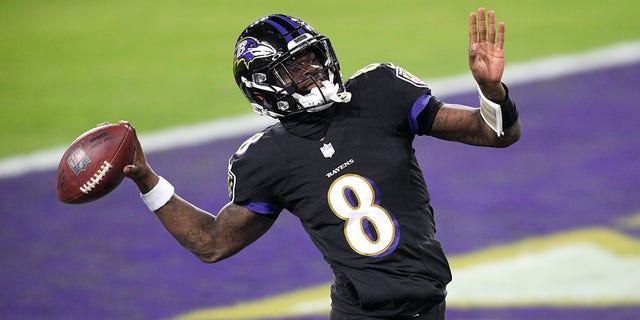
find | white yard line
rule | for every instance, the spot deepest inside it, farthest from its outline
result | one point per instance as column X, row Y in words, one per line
column 516, row 73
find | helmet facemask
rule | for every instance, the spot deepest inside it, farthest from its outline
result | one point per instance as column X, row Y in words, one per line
column 309, row 74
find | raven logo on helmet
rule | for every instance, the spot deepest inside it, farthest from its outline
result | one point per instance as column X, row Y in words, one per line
column 249, row 49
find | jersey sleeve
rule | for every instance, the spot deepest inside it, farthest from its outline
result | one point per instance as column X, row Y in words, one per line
column 417, row 94
column 423, row 114
column 401, row 98
column 253, row 175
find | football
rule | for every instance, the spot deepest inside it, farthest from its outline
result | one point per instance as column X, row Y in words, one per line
column 91, row 167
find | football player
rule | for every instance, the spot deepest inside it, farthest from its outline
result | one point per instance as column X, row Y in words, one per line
column 341, row 159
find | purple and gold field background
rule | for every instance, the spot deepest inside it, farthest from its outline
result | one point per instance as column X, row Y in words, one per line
column 577, row 165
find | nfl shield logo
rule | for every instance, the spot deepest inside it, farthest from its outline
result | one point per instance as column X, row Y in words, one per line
column 78, row 160
column 327, row 150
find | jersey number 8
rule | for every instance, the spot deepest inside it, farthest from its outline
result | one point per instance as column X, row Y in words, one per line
column 369, row 228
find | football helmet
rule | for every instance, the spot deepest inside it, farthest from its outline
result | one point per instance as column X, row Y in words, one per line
column 283, row 67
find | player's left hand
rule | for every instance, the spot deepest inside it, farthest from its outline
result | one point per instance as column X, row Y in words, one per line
column 486, row 53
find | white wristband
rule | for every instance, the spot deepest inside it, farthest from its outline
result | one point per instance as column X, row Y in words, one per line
column 491, row 113
column 159, row 195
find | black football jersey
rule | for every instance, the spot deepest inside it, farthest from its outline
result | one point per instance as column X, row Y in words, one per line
column 359, row 193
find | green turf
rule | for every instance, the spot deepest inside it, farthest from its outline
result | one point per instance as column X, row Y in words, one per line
column 66, row 65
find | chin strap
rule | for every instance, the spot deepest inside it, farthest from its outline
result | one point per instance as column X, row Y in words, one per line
column 321, row 98
column 342, row 97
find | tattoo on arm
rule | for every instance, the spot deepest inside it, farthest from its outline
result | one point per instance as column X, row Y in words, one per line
column 465, row 124
column 209, row 237
column 459, row 123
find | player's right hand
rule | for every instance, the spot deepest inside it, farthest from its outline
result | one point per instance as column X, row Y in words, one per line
column 140, row 171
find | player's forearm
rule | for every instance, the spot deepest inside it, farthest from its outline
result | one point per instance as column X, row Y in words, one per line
column 212, row 238
column 465, row 124
column 511, row 135
column 193, row 228
column 490, row 139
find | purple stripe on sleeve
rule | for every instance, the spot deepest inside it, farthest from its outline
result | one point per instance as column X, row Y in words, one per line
column 416, row 109
column 263, row 207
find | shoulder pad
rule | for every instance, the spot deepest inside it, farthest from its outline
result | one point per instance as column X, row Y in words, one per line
column 370, row 68
column 399, row 72
column 405, row 75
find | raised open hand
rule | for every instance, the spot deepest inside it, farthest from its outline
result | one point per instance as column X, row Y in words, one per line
column 486, row 53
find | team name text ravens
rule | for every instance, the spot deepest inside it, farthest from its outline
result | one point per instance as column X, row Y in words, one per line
column 339, row 168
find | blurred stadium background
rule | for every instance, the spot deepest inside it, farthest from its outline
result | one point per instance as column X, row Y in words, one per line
column 67, row 65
